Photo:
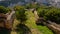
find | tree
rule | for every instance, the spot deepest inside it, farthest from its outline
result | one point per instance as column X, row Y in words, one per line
column 42, row 10
column 20, row 10
column 49, row 13
column 53, row 15
column 31, row 5
column 3, row 9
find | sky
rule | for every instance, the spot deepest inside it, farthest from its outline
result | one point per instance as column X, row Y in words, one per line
column 1, row 0
column 4, row 0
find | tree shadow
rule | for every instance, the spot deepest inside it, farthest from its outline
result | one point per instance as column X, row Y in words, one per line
column 4, row 31
column 23, row 29
column 40, row 22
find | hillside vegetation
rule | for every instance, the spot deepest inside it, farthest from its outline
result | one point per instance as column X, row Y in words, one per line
column 27, row 21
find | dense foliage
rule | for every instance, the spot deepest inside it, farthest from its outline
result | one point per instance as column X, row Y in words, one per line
column 3, row 9
column 20, row 10
column 31, row 5
column 49, row 13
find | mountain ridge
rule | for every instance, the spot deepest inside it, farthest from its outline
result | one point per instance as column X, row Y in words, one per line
column 21, row 2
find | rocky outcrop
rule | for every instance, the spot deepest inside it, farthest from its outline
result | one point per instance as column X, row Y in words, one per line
column 55, row 27
column 51, row 25
column 6, row 20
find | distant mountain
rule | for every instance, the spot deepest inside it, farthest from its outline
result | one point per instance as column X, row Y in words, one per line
column 14, row 2
column 55, row 3
column 22, row 2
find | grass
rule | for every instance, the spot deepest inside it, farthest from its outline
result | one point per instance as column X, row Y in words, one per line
column 30, row 22
column 44, row 29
